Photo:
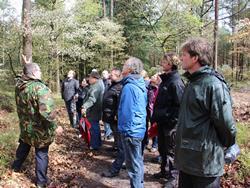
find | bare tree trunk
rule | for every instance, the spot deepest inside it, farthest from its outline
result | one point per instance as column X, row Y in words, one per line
column 58, row 86
column 111, row 17
column 104, row 8
column 27, row 33
column 111, row 9
column 216, row 12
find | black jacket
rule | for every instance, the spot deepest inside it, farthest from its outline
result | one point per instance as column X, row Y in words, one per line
column 167, row 104
column 111, row 102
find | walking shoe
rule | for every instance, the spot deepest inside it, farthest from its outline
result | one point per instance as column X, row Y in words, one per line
column 40, row 186
column 171, row 183
column 109, row 174
column 153, row 150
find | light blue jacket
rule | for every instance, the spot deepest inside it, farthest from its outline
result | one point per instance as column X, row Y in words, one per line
column 132, row 107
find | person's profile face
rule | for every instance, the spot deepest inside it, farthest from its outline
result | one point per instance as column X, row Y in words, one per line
column 125, row 70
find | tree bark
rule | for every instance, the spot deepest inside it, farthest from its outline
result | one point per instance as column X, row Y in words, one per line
column 216, row 12
column 27, row 32
column 104, row 8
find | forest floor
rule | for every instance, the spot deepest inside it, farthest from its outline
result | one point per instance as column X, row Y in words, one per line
column 71, row 164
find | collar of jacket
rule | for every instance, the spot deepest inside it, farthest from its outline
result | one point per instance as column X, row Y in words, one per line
column 167, row 76
column 198, row 74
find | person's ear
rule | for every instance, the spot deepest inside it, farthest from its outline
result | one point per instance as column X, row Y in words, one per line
column 195, row 58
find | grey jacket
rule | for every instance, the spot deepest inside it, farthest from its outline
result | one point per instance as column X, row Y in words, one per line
column 93, row 101
column 69, row 88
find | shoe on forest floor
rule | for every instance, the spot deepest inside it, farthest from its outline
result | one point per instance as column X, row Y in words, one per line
column 153, row 150
column 109, row 174
column 40, row 186
column 171, row 183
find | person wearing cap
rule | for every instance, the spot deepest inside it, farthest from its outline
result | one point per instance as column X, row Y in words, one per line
column 132, row 119
column 69, row 91
column 92, row 107
column 165, row 114
column 35, row 109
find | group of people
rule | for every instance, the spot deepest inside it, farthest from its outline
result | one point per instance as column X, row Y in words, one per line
column 194, row 119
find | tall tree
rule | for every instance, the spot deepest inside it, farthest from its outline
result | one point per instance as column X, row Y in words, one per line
column 216, row 12
column 27, row 32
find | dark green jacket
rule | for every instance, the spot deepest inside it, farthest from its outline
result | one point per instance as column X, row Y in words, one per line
column 93, row 101
column 205, row 125
column 35, row 109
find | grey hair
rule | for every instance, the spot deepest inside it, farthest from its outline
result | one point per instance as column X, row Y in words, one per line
column 201, row 48
column 30, row 68
column 135, row 65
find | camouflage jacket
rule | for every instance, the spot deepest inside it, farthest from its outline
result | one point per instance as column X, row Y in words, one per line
column 35, row 108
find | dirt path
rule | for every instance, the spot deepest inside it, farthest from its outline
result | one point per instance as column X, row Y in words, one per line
column 73, row 165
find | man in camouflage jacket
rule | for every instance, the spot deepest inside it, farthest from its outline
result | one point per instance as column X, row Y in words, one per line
column 36, row 116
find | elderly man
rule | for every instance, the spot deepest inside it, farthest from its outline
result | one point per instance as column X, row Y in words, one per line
column 69, row 89
column 36, row 120
column 206, row 125
column 92, row 107
column 132, row 119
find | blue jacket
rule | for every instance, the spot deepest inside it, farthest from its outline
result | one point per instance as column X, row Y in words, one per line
column 132, row 108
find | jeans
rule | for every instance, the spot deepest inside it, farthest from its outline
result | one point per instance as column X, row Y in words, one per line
column 107, row 129
column 71, row 109
column 41, row 161
column 120, row 158
column 134, row 160
column 95, row 141
column 191, row 181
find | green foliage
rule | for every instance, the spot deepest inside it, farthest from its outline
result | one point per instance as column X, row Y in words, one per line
column 243, row 137
column 8, row 140
column 93, row 42
column 87, row 11
column 7, row 99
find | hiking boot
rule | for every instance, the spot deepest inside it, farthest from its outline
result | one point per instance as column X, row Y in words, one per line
column 171, row 183
column 40, row 186
column 153, row 150
column 109, row 174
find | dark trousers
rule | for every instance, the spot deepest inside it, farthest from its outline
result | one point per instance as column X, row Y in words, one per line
column 41, row 161
column 191, row 181
column 114, row 129
column 71, row 109
column 120, row 158
column 166, row 146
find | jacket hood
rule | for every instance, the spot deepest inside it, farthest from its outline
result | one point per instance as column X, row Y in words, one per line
column 22, row 82
column 135, row 79
column 202, row 71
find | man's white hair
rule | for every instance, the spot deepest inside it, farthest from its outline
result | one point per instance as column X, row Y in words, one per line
column 135, row 65
column 29, row 70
